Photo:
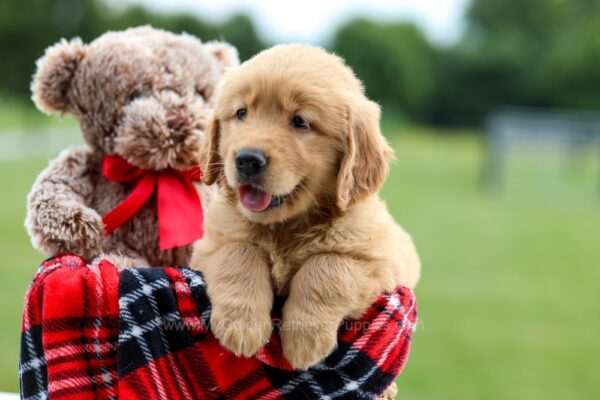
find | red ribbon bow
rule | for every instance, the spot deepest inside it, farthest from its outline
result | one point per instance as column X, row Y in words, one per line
column 180, row 217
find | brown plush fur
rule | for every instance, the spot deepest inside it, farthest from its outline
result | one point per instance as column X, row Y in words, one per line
column 143, row 94
column 332, row 247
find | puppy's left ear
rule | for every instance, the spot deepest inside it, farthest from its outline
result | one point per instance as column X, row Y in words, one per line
column 212, row 164
column 226, row 55
column 365, row 164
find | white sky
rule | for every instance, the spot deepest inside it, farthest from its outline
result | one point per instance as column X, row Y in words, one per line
column 314, row 21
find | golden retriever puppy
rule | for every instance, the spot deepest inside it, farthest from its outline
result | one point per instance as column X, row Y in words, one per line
column 297, row 152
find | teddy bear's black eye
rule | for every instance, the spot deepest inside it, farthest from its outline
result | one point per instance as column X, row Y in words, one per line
column 241, row 114
column 299, row 123
column 135, row 95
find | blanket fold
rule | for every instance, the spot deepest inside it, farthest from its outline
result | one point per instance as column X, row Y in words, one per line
column 94, row 332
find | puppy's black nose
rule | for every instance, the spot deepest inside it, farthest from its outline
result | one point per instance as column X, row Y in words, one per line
column 250, row 162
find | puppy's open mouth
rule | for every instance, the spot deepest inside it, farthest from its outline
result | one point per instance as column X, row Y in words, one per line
column 257, row 200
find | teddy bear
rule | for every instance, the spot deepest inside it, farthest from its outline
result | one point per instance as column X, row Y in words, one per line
column 142, row 97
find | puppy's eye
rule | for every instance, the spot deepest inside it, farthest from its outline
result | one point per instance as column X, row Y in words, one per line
column 299, row 123
column 241, row 114
column 135, row 95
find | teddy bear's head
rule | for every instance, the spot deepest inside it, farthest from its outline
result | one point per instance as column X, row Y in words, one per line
column 143, row 94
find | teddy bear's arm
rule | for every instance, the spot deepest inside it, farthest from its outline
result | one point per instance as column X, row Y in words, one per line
column 59, row 218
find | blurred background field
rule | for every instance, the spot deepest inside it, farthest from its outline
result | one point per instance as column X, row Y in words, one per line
column 509, row 301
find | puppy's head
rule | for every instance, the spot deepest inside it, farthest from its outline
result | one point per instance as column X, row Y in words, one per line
column 293, row 132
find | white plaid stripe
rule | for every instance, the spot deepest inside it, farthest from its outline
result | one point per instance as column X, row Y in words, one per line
column 139, row 330
column 146, row 290
column 291, row 385
column 154, row 305
column 196, row 280
column 313, row 384
column 157, row 323
column 355, row 385
column 352, row 386
column 38, row 396
column 37, row 363
column 393, row 306
column 33, row 364
column 127, row 316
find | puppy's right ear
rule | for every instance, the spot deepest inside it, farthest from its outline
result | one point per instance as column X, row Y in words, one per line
column 212, row 164
column 55, row 71
column 364, row 166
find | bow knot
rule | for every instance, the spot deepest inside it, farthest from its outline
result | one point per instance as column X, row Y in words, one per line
column 180, row 216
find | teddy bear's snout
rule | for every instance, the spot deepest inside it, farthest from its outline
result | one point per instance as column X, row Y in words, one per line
column 174, row 120
column 155, row 134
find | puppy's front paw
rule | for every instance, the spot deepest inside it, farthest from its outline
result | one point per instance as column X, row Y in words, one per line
column 243, row 330
column 306, row 340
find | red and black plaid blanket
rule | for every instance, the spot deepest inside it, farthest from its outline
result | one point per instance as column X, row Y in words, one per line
column 92, row 332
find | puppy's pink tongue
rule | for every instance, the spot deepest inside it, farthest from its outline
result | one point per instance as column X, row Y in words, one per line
column 254, row 199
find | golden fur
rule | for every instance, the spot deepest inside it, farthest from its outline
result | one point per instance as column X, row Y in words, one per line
column 331, row 247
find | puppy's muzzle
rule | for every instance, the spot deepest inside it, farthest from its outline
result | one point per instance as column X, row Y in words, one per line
column 250, row 162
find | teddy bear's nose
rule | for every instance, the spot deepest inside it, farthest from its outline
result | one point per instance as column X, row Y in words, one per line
column 174, row 120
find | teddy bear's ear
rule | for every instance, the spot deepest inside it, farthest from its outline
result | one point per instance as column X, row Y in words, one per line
column 55, row 71
column 226, row 55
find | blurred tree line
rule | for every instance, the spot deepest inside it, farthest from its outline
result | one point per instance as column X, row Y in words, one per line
column 537, row 53
column 27, row 27
column 543, row 53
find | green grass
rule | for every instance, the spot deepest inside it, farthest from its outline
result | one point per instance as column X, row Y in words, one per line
column 509, row 293
column 18, row 262
column 17, row 116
